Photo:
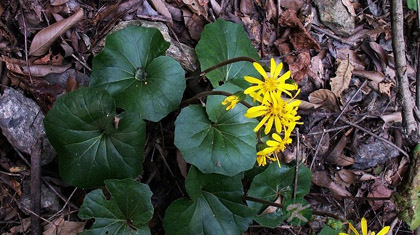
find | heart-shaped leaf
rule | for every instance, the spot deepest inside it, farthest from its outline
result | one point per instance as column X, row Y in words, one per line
column 216, row 140
column 127, row 211
column 223, row 40
column 132, row 69
column 216, row 206
column 276, row 181
column 93, row 142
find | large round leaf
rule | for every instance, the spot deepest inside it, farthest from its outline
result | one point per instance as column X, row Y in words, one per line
column 91, row 143
column 223, row 40
column 132, row 69
column 275, row 181
column 127, row 211
column 216, row 206
column 216, row 140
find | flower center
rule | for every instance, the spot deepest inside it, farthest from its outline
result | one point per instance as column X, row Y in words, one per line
column 270, row 84
column 277, row 109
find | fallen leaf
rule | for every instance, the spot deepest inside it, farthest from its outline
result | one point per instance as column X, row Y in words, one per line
column 46, row 37
column 316, row 70
column 198, row 6
column 337, row 156
column 322, row 179
column 371, row 75
column 292, row 4
column 380, row 53
column 325, row 99
column 385, row 88
column 71, row 84
column 22, row 228
column 247, row 7
column 378, row 189
column 347, row 176
column 349, row 7
column 20, row 67
column 58, row 2
column 216, row 7
column 391, row 117
column 162, row 9
column 342, row 78
column 61, row 226
column 271, row 9
column 347, row 54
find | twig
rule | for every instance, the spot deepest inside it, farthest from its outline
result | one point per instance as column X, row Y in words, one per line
column 321, row 30
column 36, row 187
column 82, row 63
column 297, row 164
column 207, row 93
column 349, row 101
column 317, row 149
column 376, row 136
column 329, row 130
column 399, row 50
column 26, row 48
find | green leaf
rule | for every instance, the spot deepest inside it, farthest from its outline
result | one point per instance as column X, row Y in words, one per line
column 216, row 140
column 297, row 212
column 412, row 4
column 216, row 206
column 276, row 181
column 90, row 148
column 127, row 211
column 223, row 40
column 132, row 69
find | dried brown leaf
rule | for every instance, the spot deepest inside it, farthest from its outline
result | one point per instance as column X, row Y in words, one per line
column 347, row 176
column 58, row 2
column 162, row 9
column 391, row 117
column 371, row 75
column 247, row 7
column 349, row 7
column 292, row 4
column 337, row 157
column 271, row 9
column 322, row 179
column 324, row 98
column 46, row 37
column 385, row 88
column 345, row 53
column 198, row 6
column 316, row 71
column 380, row 53
column 71, row 84
column 342, row 78
column 60, row 226
column 378, row 189
column 305, row 105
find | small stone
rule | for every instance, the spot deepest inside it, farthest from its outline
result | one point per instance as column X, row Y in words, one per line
column 335, row 16
column 21, row 122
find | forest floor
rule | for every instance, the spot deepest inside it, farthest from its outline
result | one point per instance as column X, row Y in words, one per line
column 339, row 52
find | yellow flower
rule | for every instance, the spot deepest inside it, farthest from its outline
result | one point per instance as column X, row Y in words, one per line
column 277, row 144
column 231, row 101
column 363, row 224
column 275, row 110
column 262, row 158
column 271, row 84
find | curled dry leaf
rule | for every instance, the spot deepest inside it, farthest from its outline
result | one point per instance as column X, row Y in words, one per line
column 325, row 99
column 162, row 9
column 371, row 75
column 385, row 88
column 345, row 53
column 391, row 117
column 347, row 176
column 20, row 67
column 61, row 226
column 342, row 78
column 46, row 37
column 337, row 156
column 322, row 179
column 198, row 6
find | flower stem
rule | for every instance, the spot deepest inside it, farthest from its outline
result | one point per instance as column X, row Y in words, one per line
column 254, row 199
column 207, row 93
column 226, row 62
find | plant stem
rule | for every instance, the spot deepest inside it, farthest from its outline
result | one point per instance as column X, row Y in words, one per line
column 226, row 62
column 207, row 93
column 254, row 199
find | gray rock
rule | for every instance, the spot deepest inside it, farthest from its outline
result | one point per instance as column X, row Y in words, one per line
column 372, row 153
column 49, row 199
column 21, row 122
column 335, row 16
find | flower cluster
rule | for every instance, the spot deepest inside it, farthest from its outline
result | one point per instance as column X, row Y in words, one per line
column 275, row 112
column 363, row 225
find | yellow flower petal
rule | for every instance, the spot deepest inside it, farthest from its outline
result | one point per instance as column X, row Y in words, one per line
column 363, row 224
column 260, row 70
column 253, row 80
column 285, row 76
column 261, row 123
column 278, row 70
column 251, row 89
column 278, row 124
column 384, row 231
column 273, row 67
column 353, row 229
column 269, row 125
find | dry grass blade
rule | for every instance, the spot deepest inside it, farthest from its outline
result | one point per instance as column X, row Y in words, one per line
column 46, row 37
